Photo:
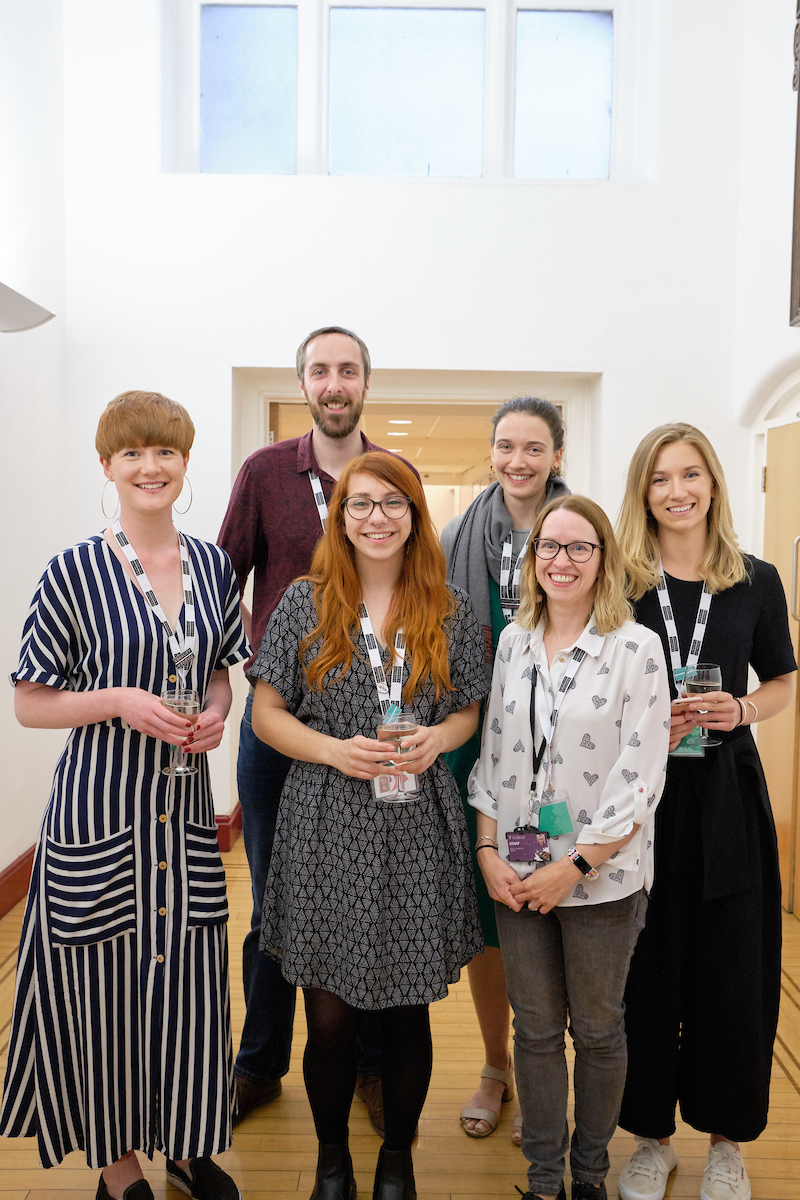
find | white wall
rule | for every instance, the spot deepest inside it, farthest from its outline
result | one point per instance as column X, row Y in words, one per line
column 674, row 287
column 38, row 480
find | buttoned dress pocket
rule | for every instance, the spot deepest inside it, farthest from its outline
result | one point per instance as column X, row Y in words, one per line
column 91, row 890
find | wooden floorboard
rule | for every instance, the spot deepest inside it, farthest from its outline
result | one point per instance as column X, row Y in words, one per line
column 274, row 1150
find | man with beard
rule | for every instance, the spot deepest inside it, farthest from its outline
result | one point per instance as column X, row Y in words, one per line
column 272, row 525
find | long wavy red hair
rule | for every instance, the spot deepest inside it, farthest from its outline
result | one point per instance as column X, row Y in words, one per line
column 422, row 601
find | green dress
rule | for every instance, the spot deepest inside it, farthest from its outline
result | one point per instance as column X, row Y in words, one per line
column 461, row 762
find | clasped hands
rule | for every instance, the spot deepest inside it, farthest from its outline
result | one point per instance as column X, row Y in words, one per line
column 542, row 890
column 724, row 713
column 366, row 758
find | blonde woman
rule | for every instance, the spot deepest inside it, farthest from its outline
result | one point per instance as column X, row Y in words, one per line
column 702, row 997
column 574, row 746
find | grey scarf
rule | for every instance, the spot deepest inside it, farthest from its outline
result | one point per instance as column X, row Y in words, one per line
column 473, row 547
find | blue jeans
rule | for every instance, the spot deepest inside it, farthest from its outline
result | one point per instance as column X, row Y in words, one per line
column 269, row 998
column 569, row 964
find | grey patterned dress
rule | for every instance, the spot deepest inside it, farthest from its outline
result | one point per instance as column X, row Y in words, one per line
column 373, row 902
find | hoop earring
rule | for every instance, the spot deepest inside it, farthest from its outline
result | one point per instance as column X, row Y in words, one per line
column 183, row 511
column 103, row 502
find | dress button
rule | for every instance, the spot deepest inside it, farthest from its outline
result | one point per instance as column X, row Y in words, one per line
column 162, row 912
column 162, row 866
column 160, row 958
column 163, row 818
column 173, row 678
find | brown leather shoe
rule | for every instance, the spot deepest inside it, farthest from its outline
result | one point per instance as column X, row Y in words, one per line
column 251, row 1094
column 369, row 1088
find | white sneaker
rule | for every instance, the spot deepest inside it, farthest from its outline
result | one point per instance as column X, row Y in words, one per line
column 725, row 1177
column 645, row 1176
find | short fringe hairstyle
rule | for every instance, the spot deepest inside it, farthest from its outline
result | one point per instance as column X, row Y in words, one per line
column 723, row 564
column 143, row 419
column 610, row 609
column 422, row 601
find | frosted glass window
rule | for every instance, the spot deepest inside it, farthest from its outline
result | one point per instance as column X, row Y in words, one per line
column 562, row 118
column 248, row 89
column 406, row 91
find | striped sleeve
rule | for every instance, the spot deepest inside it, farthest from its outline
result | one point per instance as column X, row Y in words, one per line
column 235, row 646
column 50, row 638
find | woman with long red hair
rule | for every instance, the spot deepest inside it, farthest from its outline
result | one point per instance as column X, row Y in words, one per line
column 370, row 900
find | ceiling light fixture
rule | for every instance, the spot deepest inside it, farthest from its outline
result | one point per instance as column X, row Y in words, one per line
column 395, row 433
column 391, row 422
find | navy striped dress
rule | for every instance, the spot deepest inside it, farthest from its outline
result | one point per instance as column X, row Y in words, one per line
column 121, row 1029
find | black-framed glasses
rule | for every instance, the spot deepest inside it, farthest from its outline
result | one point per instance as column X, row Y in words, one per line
column 578, row 552
column 360, row 507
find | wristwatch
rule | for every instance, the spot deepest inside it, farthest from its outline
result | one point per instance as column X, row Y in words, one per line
column 581, row 863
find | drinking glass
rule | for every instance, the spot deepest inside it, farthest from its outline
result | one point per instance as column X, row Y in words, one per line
column 705, row 677
column 186, row 703
column 395, row 788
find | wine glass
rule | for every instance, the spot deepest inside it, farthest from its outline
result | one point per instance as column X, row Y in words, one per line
column 705, row 677
column 396, row 788
column 186, row 703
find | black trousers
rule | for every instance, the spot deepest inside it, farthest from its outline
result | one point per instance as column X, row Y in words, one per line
column 703, row 992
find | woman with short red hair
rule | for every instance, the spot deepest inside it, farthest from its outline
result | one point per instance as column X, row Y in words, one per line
column 370, row 904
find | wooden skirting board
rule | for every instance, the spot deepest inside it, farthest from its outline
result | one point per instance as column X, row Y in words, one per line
column 229, row 826
column 15, row 878
column 14, row 881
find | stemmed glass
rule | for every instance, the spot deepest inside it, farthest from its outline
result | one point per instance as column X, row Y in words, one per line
column 186, row 703
column 705, row 677
column 396, row 788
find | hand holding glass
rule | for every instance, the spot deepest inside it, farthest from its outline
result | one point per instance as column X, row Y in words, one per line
column 186, row 703
column 699, row 680
column 393, row 788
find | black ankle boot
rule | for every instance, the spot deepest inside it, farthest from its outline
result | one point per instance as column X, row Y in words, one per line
column 334, row 1179
column 394, row 1176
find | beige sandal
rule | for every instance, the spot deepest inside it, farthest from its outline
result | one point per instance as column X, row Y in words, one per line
column 486, row 1114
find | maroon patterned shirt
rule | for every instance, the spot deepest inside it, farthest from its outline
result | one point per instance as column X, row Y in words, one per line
column 272, row 524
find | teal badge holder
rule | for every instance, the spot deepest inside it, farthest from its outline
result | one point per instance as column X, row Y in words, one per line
column 690, row 746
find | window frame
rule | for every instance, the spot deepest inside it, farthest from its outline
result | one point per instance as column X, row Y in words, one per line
column 181, row 69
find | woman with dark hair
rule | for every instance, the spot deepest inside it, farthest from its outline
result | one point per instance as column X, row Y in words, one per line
column 370, row 904
column 121, row 1037
column 704, row 986
column 485, row 550
column 570, row 772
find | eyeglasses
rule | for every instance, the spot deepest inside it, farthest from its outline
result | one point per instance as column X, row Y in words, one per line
column 578, row 552
column 360, row 507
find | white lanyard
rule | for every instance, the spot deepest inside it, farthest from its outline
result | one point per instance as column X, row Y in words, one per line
column 319, row 497
column 386, row 694
column 184, row 647
column 547, row 718
column 509, row 597
column 700, row 624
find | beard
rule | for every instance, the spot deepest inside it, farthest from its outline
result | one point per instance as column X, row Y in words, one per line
column 339, row 426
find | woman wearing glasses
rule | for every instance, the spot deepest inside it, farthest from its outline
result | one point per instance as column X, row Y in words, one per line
column 370, row 904
column 574, row 746
column 704, row 986
column 485, row 550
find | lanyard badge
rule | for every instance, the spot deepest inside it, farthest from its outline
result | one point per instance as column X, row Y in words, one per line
column 689, row 746
column 182, row 644
column 509, row 588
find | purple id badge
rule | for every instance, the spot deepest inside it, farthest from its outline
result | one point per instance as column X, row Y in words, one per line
column 529, row 846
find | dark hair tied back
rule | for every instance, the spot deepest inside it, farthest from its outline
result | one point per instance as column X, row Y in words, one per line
column 533, row 406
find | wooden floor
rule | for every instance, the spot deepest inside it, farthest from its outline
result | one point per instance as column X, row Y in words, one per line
column 274, row 1150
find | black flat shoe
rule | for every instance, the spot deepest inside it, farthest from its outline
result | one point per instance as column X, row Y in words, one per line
column 394, row 1176
column 140, row 1190
column 335, row 1179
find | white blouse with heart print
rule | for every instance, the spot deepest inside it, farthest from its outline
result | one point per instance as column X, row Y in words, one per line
column 609, row 749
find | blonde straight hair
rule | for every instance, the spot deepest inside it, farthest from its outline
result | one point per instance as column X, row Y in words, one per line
column 723, row 564
column 610, row 609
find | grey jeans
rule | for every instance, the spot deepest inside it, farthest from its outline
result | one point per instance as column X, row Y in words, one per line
column 569, row 965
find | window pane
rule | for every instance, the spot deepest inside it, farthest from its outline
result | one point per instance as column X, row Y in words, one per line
column 406, row 91
column 248, row 89
column 563, row 95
